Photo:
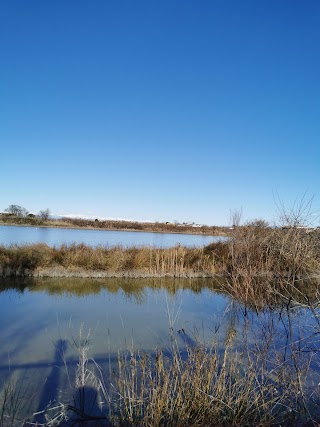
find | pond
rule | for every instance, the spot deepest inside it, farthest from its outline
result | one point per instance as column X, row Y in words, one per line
column 57, row 236
column 44, row 322
column 37, row 315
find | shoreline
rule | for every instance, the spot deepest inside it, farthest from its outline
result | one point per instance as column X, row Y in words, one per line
column 79, row 260
column 73, row 227
column 267, row 256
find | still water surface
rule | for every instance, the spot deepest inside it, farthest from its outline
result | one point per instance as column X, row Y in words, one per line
column 41, row 320
column 57, row 236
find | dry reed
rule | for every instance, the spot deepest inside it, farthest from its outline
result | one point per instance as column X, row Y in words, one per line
column 230, row 382
column 177, row 261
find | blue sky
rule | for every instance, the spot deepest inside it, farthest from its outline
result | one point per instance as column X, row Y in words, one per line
column 159, row 110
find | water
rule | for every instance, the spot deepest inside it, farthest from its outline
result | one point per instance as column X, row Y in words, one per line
column 57, row 236
column 33, row 313
column 41, row 320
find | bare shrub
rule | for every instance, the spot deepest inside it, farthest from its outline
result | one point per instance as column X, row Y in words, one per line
column 299, row 214
column 17, row 210
column 44, row 215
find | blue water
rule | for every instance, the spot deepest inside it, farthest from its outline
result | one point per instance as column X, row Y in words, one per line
column 117, row 311
column 57, row 236
column 43, row 321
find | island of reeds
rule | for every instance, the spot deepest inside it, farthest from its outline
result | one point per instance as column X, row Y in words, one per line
column 249, row 251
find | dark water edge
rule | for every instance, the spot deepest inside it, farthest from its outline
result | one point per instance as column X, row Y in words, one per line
column 88, row 286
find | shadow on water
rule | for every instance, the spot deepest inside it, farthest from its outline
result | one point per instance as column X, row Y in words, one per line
column 82, row 407
column 52, row 382
column 85, row 409
column 57, row 376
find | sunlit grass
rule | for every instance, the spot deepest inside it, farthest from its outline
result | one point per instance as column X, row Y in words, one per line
column 178, row 261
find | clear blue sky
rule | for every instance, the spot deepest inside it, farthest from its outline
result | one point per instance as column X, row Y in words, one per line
column 159, row 110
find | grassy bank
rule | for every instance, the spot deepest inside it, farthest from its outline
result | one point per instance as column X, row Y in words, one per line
column 249, row 254
column 84, row 261
column 159, row 227
column 257, row 266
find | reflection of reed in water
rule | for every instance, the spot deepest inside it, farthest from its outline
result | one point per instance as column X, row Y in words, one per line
column 130, row 287
column 254, row 372
column 257, row 294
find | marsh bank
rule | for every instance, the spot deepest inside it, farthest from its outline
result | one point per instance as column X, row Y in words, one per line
column 99, row 253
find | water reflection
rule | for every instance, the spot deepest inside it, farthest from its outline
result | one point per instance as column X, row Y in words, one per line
column 32, row 310
column 41, row 320
column 130, row 287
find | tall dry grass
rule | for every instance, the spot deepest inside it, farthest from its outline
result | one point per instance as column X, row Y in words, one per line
column 177, row 261
column 251, row 376
column 15, row 401
column 261, row 263
column 207, row 387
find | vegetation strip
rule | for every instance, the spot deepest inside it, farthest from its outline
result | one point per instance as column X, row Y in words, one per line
column 250, row 252
column 20, row 217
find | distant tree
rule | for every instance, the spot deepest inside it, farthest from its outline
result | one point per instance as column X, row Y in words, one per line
column 17, row 210
column 235, row 217
column 44, row 215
